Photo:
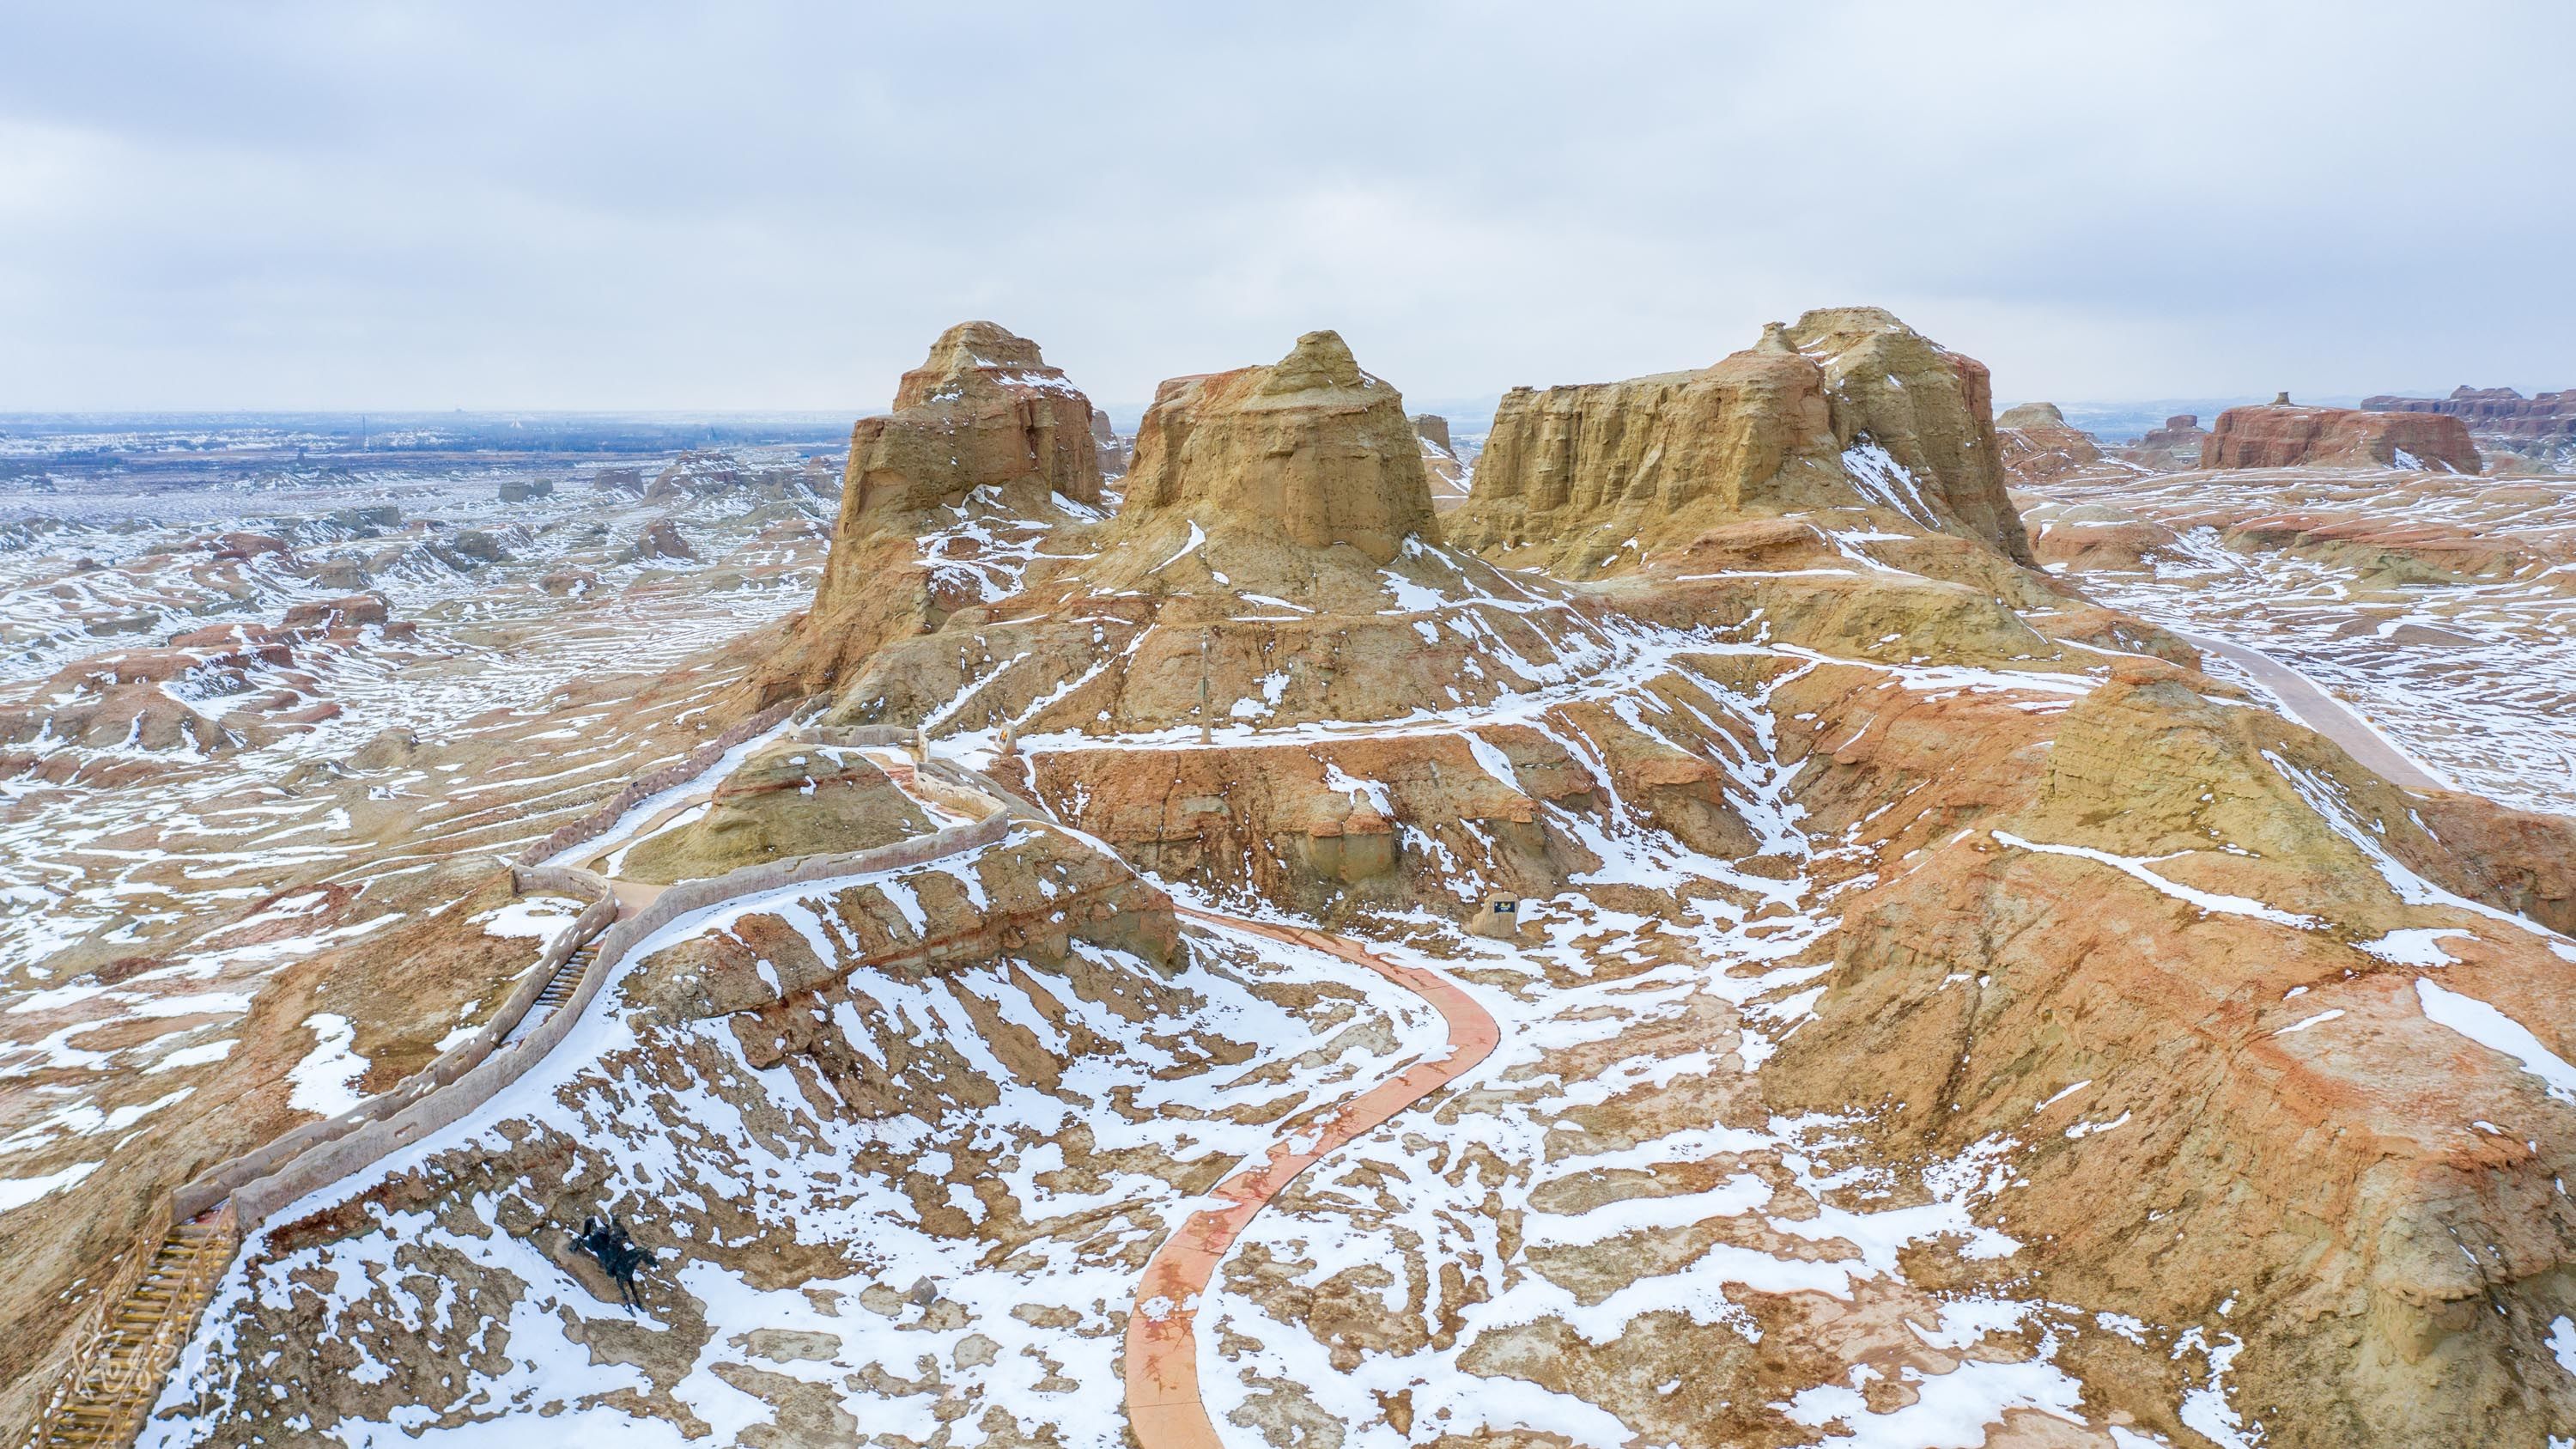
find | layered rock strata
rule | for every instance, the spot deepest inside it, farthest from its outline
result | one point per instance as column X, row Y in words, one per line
column 1310, row 449
column 2285, row 435
column 983, row 423
column 2498, row 413
column 1849, row 408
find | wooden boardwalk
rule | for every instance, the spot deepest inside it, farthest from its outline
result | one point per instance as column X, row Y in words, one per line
column 123, row 1365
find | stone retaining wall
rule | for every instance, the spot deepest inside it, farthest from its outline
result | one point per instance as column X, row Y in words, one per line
column 644, row 787
column 225, row 1178
column 442, row 1099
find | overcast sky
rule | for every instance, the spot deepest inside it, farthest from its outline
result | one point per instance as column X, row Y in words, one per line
column 750, row 207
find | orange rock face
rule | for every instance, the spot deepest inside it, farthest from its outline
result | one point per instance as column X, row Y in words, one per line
column 2278, row 436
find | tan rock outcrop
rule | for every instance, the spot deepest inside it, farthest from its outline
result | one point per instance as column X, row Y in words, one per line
column 2039, row 445
column 785, row 800
column 1309, row 449
column 1849, row 408
column 2285, row 435
column 2311, row 1187
column 985, row 411
column 985, row 421
column 2089, row 537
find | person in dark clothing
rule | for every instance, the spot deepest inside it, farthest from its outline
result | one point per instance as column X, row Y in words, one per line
column 627, row 1257
column 616, row 1253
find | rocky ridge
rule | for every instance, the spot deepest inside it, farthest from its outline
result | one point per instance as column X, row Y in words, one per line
column 2498, row 413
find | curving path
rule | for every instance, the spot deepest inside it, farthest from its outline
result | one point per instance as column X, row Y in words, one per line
column 1163, row 1405
column 2311, row 705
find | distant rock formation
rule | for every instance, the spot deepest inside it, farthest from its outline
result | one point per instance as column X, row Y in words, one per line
column 1309, row 449
column 662, row 539
column 2039, row 445
column 1450, row 474
column 146, row 699
column 1849, row 408
column 522, row 490
column 2176, row 445
column 2500, row 420
column 2286, row 435
column 705, row 474
column 1113, row 451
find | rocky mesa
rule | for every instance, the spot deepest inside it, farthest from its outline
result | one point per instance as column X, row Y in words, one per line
column 2281, row 434
column 1846, row 409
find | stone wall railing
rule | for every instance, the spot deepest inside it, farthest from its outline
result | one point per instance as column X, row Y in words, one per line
column 226, row 1178
column 644, row 787
column 439, row 1103
column 471, row 1073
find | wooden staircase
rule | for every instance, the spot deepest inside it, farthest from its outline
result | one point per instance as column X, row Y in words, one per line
column 559, row 987
column 123, row 1365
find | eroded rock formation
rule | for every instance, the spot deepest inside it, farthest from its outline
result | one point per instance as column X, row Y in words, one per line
column 1113, row 451
column 2176, row 445
column 1847, row 409
column 2038, row 443
column 2285, row 435
column 1309, row 449
column 783, row 800
column 2497, row 413
column 984, row 422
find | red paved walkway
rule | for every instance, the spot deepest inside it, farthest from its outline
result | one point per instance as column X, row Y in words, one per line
column 1162, row 1347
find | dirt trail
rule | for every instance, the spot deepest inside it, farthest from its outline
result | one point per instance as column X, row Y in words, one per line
column 1163, row 1405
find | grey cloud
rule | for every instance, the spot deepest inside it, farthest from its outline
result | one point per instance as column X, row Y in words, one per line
column 776, row 206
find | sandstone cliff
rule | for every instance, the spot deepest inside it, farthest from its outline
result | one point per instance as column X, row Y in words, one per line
column 1847, row 409
column 983, row 426
column 2283, row 435
column 985, row 411
column 1310, row 449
